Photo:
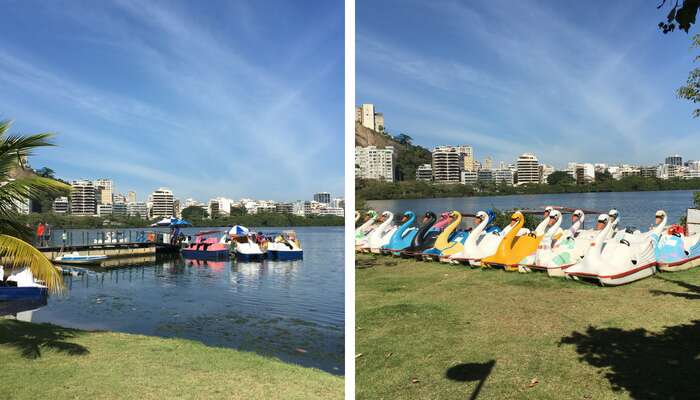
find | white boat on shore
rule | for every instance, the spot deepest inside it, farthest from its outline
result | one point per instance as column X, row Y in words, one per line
column 77, row 258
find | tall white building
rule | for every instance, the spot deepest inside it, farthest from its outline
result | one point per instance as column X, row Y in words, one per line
column 322, row 197
column 137, row 209
column 374, row 163
column 104, row 189
column 61, row 205
column 424, row 173
column 528, row 169
column 449, row 162
column 82, row 198
column 366, row 115
column 162, row 203
column 503, row 175
column 131, row 197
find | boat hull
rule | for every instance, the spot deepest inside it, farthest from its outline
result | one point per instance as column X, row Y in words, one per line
column 23, row 293
column 80, row 261
column 285, row 255
column 205, row 255
column 249, row 256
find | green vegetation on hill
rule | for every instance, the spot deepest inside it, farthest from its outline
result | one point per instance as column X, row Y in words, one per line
column 61, row 221
column 408, row 156
column 48, row 361
column 378, row 190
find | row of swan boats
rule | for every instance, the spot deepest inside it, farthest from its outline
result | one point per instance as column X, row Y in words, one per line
column 606, row 255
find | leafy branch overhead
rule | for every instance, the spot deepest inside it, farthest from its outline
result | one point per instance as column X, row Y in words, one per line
column 691, row 90
column 681, row 16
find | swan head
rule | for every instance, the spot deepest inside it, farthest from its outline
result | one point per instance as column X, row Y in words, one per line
column 660, row 216
column 548, row 210
column 554, row 216
column 602, row 221
column 428, row 215
column 516, row 218
column 370, row 214
column 577, row 215
column 614, row 214
column 480, row 217
column 406, row 216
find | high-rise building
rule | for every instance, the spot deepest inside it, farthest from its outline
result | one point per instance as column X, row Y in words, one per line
column 486, row 176
column 137, row 209
column 368, row 116
column 374, row 163
column 61, row 205
column 322, row 197
column 118, row 198
column 104, row 210
column 131, row 197
column 162, row 203
column 674, row 160
column 103, row 191
column 213, row 208
column 450, row 161
column 284, row 208
column 528, row 169
column 82, row 198
column 503, row 175
column 424, row 173
column 585, row 173
column 545, row 171
column 119, row 209
column 488, row 163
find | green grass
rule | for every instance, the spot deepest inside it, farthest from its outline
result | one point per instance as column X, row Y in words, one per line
column 47, row 361
column 434, row 331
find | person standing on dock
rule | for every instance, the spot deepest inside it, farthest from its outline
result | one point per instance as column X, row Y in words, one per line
column 40, row 233
column 47, row 233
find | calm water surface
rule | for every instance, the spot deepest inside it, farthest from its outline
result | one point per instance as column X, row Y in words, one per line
column 290, row 310
column 636, row 208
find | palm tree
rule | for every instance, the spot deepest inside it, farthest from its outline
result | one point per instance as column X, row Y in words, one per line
column 16, row 185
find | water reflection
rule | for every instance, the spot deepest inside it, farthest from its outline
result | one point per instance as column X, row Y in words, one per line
column 290, row 310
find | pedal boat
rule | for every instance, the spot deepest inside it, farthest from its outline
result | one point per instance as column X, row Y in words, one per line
column 515, row 246
column 76, row 258
column 676, row 251
column 449, row 241
column 403, row 235
column 480, row 243
column 427, row 241
column 381, row 235
column 208, row 245
column 285, row 247
column 625, row 258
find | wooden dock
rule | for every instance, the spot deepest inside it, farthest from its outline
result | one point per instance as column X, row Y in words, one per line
column 113, row 250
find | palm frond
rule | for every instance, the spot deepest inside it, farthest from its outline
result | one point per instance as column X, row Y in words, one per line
column 10, row 225
column 19, row 253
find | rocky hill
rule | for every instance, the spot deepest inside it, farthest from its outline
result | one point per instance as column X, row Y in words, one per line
column 408, row 155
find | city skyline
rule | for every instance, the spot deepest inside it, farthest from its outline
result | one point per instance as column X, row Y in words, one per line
column 583, row 94
column 204, row 99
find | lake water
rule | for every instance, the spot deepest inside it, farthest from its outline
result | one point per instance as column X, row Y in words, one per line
column 636, row 208
column 290, row 310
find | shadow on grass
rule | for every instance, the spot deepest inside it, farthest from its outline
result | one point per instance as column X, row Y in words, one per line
column 693, row 291
column 648, row 365
column 471, row 372
column 30, row 338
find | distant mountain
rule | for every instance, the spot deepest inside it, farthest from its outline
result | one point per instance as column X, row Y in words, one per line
column 408, row 156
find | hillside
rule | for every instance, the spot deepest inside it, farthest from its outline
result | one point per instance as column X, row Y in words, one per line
column 408, row 155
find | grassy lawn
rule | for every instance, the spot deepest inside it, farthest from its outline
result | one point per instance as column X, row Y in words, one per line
column 433, row 331
column 47, row 361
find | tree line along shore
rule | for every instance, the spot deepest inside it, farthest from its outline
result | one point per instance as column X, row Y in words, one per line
column 379, row 190
column 58, row 221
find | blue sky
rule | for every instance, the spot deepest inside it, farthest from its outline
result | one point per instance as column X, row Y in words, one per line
column 570, row 81
column 233, row 98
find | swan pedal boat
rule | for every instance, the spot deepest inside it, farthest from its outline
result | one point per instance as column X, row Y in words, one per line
column 427, row 240
column 676, row 251
column 402, row 236
column 483, row 241
column 627, row 257
column 381, row 235
column 515, row 246
column 285, row 247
